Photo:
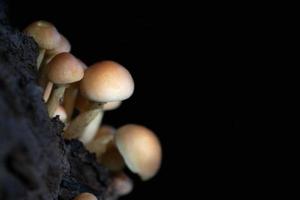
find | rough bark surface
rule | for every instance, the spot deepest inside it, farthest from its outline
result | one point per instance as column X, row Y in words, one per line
column 35, row 161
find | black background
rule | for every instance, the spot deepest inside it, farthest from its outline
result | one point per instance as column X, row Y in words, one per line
column 180, row 93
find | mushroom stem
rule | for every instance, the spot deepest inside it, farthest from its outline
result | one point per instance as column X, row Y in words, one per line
column 81, row 123
column 43, row 73
column 47, row 91
column 55, row 98
column 69, row 100
column 40, row 58
column 91, row 130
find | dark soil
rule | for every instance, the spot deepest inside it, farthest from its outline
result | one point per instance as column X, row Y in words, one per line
column 35, row 161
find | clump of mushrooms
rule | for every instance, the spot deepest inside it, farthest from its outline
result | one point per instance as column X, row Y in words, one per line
column 69, row 85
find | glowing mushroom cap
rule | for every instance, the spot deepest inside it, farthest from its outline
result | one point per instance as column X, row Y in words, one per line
column 106, row 81
column 64, row 68
column 140, row 149
column 85, row 196
column 44, row 33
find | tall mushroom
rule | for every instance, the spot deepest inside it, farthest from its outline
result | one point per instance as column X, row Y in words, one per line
column 45, row 35
column 62, row 46
column 64, row 69
column 103, row 82
column 140, row 149
column 121, row 184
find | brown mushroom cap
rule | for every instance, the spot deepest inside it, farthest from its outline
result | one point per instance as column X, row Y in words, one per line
column 106, row 81
column 44, row 33
column 64, row 68
column 85, row 196
column 140, row 149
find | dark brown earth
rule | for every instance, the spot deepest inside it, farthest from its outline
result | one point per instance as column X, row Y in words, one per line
column 35, row 161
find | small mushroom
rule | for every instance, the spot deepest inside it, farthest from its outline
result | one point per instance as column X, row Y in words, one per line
column 64, row 69
column 45, row 35
column 85, row 196
column 63, row 46
column 103, row 82
column 140, row 149
column 121, row 184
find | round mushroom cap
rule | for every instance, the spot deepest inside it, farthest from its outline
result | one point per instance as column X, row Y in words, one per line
column 44, row 33
column 85, row 196
column 64, row 68
column 106, row 81
column 140, row 149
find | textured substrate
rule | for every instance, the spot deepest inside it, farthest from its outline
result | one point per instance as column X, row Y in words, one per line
column 35, row 162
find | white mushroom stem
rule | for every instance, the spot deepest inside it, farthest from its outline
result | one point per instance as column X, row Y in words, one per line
column 80, row 126
column 40, row 57
column 43, row 73
column 91, row 130
column 69, row 100
column 55, row 98
column 47, row 91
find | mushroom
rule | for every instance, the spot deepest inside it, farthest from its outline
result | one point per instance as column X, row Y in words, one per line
column 105, row 134
column 45, row 35
column 60, row 111
column 140, row 149
column 103, row 82
column 70, row 96
column 85, row 196
column 63, row 46
column 64, row 69
column 121, row 184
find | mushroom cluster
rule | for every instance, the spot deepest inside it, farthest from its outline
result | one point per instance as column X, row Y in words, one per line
column 70, row 85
